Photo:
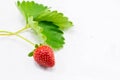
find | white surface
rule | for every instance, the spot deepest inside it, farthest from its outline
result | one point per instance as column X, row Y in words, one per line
column 91, row 52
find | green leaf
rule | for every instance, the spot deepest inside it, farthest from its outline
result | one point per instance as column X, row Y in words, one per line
column 31, row 8
column 56, row 18
column 48, row 32
column 54, row 36
column 40, row 12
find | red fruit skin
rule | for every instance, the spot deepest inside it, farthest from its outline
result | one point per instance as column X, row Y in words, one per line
column 44, row 56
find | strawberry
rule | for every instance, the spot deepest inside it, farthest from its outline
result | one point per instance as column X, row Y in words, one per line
column 44, row 56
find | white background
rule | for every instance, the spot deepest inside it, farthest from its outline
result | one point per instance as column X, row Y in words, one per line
column 91, row 52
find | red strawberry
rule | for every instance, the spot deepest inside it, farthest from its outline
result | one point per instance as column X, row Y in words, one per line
column 44, row 56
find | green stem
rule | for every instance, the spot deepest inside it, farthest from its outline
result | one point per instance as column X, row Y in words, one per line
column 19, row 31
column 11, row 33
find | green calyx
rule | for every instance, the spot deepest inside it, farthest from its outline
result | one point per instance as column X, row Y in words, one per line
column 32, row 52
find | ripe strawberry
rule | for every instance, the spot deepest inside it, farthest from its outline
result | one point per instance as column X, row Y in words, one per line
column 44, row 56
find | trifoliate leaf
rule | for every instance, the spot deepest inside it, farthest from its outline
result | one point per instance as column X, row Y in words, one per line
column 31, row 8
column 46, row 23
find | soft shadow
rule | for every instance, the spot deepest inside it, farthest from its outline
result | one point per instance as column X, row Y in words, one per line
column 44, row 68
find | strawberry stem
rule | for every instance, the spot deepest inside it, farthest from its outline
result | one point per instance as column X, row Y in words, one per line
column 21, row 30
column 16, row 33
